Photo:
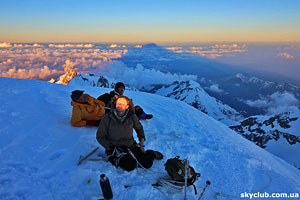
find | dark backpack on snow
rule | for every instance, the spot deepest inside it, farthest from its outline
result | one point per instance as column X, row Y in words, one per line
column 176, row 169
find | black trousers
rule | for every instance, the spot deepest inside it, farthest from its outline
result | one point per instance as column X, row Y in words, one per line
column 129, row 163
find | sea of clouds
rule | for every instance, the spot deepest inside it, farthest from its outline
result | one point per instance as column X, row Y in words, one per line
column 46, row 61
column 212, row 51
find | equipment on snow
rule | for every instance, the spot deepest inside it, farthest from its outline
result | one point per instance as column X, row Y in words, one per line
column 83, row 158
column 186, row 164
column 181, row 173
column 176, row 169
column 105, row 187
column 207, row 184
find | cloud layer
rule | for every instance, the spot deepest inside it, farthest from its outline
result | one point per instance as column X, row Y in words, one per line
column 215, row 88
column 276, row 103
column 285, row 55
column 214, row 51
column 39, row 61
column 140, row 76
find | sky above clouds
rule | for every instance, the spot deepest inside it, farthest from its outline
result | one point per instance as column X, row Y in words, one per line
column 149, row 21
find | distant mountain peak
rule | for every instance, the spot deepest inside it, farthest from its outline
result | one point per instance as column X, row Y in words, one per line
column 65, row 78
column 251, row 79
column 241, row 76
column 150, row 45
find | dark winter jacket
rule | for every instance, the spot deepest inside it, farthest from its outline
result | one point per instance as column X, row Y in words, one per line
column 108, row 97
column 112, row 132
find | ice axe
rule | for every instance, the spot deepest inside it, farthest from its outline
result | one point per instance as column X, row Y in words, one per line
column 83, row 158
column 207, row 184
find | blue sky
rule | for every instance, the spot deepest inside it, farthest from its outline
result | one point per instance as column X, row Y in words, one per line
column 150, row 21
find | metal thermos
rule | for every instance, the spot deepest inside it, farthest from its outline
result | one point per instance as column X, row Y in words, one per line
column 105, row 187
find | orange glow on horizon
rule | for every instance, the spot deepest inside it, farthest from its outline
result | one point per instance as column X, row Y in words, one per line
column 159, row 36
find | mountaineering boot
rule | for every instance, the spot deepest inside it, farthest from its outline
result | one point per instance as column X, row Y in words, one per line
column 158, row 155
column 149, row 116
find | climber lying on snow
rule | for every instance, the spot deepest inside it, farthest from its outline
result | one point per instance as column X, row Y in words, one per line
column 115, row 134
column 86, row 109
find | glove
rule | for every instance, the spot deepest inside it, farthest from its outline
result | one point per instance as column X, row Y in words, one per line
column 141, row 144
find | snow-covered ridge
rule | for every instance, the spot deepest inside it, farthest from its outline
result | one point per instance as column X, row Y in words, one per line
column 253, row 80
column 193, row 94
column 40, row 149
column 95, row 81
column 279, row 134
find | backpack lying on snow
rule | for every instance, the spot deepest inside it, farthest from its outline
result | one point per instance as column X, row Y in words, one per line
column 176, row 169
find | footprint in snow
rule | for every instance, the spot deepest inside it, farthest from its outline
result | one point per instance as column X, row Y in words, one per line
column 56, row 155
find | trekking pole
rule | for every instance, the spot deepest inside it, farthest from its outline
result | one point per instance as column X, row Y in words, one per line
column 207, row 183
column 185, row 177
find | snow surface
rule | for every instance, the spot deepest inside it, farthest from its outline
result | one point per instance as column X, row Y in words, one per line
column 39, row 150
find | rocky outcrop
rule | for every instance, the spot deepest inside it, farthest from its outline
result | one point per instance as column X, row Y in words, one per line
column 261, row 131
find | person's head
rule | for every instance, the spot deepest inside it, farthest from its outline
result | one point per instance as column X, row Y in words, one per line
column 120, row 88
column 123, row 103
column 78, row 96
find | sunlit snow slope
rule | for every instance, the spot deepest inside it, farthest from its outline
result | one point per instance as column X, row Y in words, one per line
column 39, row 150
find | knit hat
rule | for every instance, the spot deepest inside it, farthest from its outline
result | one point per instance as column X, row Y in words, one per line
column 76, row 94
column 119, row 84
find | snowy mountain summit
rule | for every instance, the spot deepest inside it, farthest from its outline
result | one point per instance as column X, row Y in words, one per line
column 39, row 150
column 253, row 128
column 65, row 78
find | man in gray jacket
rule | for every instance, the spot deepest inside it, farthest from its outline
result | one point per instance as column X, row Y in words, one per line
column 115, row 134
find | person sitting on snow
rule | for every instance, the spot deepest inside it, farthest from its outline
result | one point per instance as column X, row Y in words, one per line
column 86, row 109
column 115, row 134
column 107, row 98
column 113, row 95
